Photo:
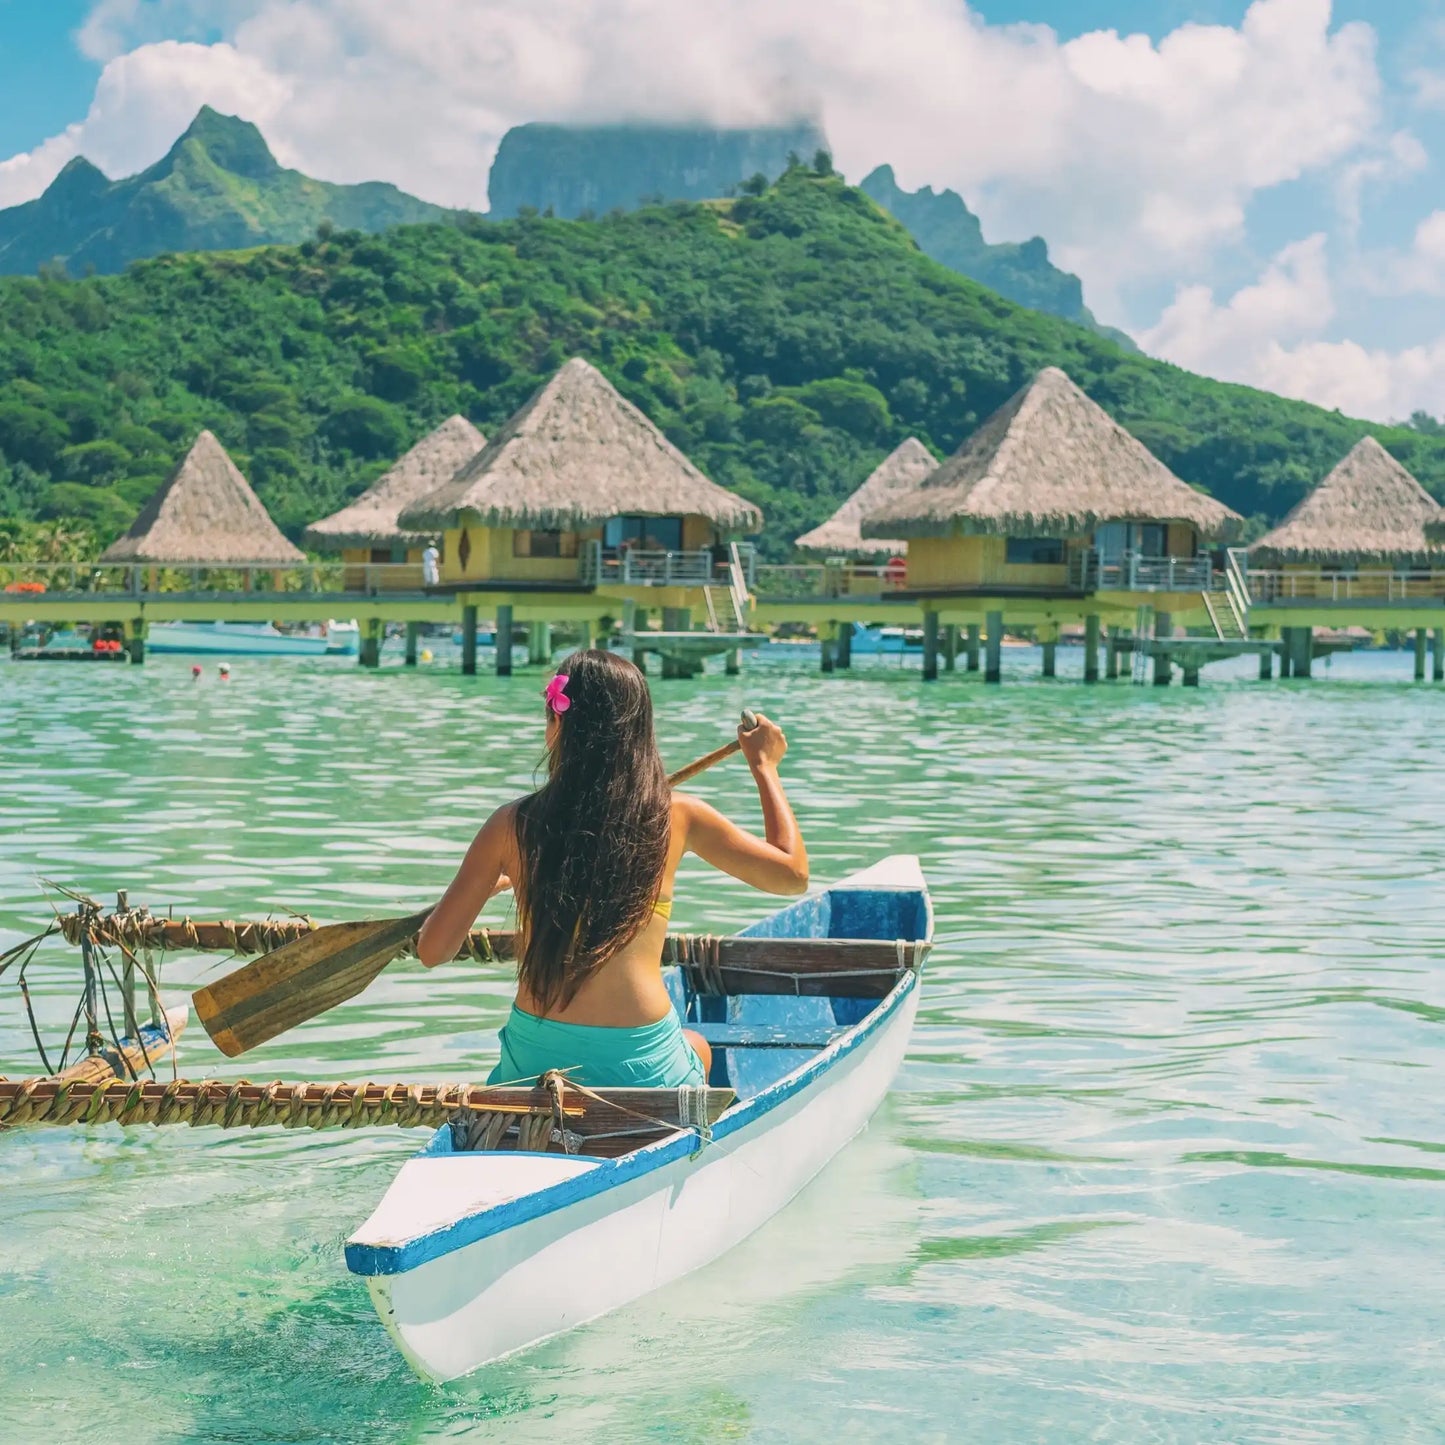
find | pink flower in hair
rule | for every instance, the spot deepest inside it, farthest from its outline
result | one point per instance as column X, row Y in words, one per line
column 556, row 694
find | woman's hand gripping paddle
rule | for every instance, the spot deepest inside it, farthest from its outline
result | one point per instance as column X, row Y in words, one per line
column 311, row 974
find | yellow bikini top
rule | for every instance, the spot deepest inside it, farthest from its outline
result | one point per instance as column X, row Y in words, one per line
column 663, row 908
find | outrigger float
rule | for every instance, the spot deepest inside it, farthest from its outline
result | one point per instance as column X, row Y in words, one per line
column 531, row 1211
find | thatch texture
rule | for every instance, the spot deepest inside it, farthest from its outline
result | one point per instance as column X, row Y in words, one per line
column 576, row 454
column 370, row 521
column 1052, row 463
column 1369, row 509
column 206, row 514
column 902, row 470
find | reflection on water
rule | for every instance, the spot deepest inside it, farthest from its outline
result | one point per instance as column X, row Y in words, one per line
column 1164, row 1161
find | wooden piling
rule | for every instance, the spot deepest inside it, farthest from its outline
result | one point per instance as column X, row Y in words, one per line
column 677, row 619
column 1050, row 646
column 1163, row 630
column 1091, row 647
column 1420, row 641
column 1286, row 652
column 950, row 647
column 843, row 650
column 136, row 640
column 504, row 639
column 1266, row 665
column 733, row 662
column 371, row 643
column 970, row 651
column 993, row 648
column 826, row 641
column 539, row 644
column 1111, row 654
column 413, row 631
column 469, row 640
column 1437, row 643
column 930, row 645
column 1304, row 647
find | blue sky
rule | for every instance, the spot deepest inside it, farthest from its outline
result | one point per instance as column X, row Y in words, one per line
column 1252, row 190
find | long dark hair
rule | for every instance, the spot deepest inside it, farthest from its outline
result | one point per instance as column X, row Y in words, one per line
column 593, row 838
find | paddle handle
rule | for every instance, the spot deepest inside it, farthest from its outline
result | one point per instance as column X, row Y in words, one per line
column 702, row 764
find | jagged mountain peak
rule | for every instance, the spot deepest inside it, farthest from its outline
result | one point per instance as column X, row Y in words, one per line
column 228, row 141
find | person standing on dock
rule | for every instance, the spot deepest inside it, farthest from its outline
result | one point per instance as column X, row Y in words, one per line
column 430, row 565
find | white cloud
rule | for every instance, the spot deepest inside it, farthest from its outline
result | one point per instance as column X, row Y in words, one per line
column 1270, row 334
column 1130, row 156
column 1291, row 300
column 1397, row 158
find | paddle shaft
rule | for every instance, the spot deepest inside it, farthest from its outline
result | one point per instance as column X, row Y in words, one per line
column 702, row 764
column 311, row 974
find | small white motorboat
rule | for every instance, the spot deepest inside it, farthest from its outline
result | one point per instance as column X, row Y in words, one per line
column 253, row 639
column 506, row 1230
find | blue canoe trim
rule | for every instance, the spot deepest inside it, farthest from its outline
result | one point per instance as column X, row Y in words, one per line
column 814, row 916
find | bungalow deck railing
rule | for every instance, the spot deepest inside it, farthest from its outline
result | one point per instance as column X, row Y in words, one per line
column 1319, row 584
column 826, row 579
column 1132, row 572
column 635, row 568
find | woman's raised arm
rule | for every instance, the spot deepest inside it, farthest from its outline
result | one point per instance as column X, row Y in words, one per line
column 775, row 863
column 483, row 873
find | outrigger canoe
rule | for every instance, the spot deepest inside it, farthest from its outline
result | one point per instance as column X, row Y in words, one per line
column 501, row 1233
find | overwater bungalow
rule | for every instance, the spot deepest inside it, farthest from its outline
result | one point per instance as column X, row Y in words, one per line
column 1049, row 497
column 841, row 536
column 1054, row 513
column 1361, row 549
column 204, row 515
column 580, row 491
column 379, row 554
column 1362, row 532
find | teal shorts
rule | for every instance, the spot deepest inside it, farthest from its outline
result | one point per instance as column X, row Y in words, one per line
column 656, row 1056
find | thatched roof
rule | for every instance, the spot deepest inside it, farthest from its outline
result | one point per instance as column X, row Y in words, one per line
column 370, row 521
column 900, row 471
column 576, row 454
column 1368, row 509
column 204, row 513
column 1049, row 462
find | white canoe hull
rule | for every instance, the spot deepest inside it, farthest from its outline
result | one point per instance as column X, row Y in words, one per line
column 471, row 1306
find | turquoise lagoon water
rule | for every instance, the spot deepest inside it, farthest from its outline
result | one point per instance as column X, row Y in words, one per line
column 1166, row 1160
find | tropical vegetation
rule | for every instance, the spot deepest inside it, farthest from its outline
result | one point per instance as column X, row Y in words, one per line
column 787, row 340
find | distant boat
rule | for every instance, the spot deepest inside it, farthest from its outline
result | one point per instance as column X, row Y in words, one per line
column 885, row 639
column 253, row 639
column 66, row 645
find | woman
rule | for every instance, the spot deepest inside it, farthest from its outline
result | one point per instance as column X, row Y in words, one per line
column 592, row 855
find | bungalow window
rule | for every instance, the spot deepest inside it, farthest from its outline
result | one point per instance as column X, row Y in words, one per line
column 1034, row 551
column 544, row 542
column 645, row 534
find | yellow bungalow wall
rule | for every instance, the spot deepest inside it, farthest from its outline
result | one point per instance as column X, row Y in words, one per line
column 978, row 561
column 490, row 556
column 975, row 561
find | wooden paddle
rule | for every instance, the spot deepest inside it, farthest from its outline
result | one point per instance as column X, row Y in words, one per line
column 321, row 969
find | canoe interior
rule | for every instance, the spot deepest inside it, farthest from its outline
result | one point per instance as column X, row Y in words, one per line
column 780, row 1031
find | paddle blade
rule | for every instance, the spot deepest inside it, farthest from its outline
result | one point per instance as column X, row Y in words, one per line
column 299, row 980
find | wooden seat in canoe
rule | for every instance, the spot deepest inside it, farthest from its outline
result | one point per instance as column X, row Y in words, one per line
column 572, row 1119
column 802, row 967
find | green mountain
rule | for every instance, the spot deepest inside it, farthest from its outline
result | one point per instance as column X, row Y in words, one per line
column 218, row 188
column 578, row 170
column 948, row 231
column 787, row 341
